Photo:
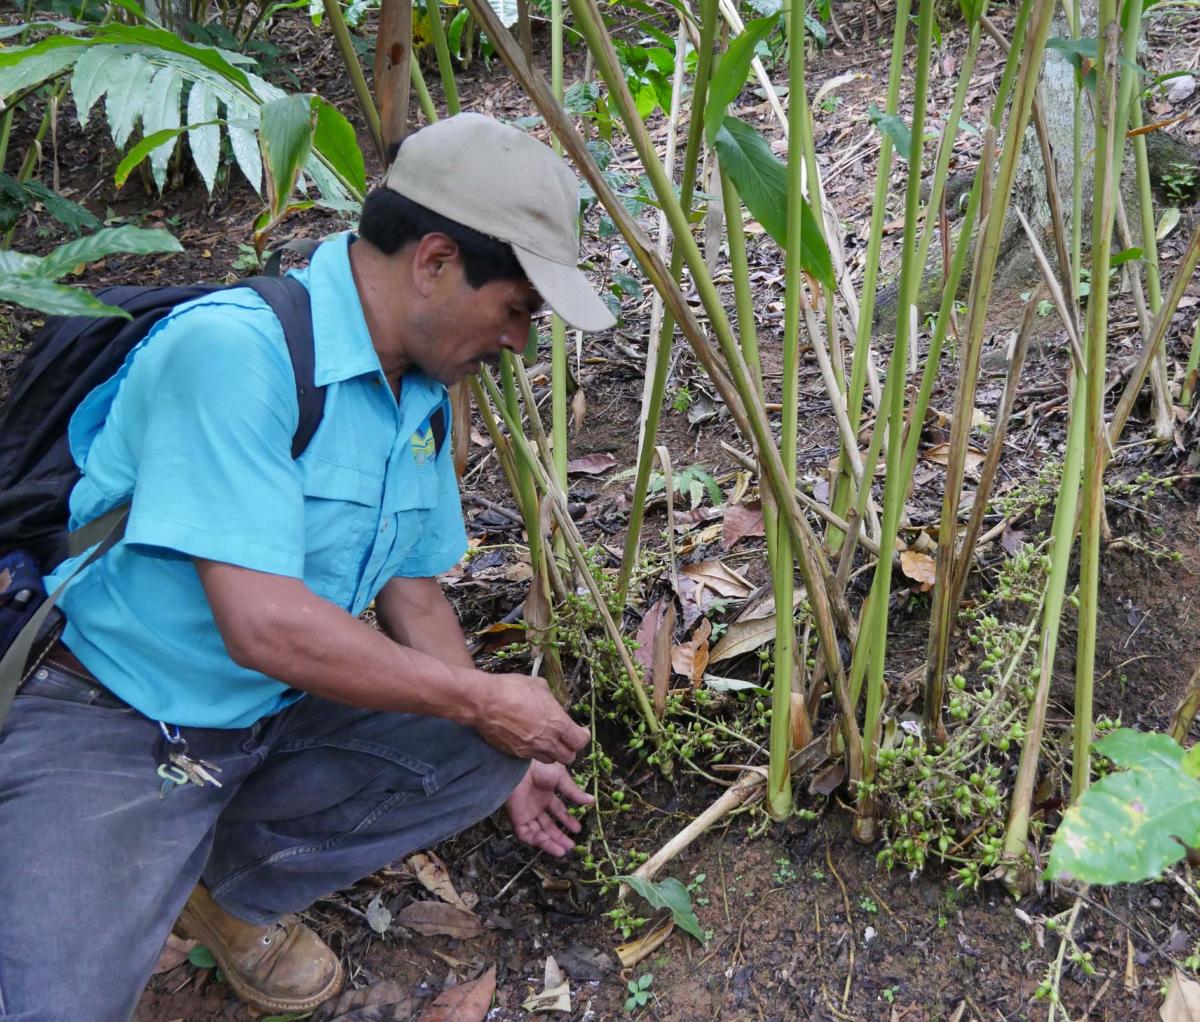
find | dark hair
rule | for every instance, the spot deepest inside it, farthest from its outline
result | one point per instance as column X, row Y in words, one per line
column 390, row 221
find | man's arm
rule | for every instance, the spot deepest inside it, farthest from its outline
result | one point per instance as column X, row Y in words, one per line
column 415, row 613
column 276, row 625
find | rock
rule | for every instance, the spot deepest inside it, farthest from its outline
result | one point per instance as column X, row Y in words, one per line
column 1181, row 89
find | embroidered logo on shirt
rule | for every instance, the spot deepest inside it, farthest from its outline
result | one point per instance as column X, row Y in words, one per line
column 423, row 447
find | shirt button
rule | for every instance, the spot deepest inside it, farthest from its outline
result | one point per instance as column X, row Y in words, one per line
column 383, row 527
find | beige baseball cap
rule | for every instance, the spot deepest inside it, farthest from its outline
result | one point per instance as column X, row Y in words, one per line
column 494, row 178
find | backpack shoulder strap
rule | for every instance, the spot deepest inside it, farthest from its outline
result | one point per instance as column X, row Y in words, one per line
column 289, row 301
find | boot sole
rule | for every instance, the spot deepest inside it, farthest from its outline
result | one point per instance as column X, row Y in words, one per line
column 197, row 929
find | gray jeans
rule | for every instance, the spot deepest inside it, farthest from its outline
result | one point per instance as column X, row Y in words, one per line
column 95, row 866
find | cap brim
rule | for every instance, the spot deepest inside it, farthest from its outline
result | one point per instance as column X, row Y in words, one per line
column 567, row 291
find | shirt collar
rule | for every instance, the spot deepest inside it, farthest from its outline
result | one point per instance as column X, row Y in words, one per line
column 342, row 345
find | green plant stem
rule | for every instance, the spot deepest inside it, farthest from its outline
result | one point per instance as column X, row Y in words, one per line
column 733, row 384
column 895, row 488
column 362, row 91
column 779, row 780
column 666, row 333
column 525, row 491
column 981, row 287
column 423, row 97
column 574, row 542
column 558, row 329
column 1189, row 375
column 5, row 135
column 438, row 32
column 866, row 315
column 1112, row 102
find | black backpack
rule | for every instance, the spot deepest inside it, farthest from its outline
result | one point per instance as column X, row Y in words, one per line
column 70, row 356
column 65, row 360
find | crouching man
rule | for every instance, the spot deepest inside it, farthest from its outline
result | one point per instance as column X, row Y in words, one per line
column 219, row 641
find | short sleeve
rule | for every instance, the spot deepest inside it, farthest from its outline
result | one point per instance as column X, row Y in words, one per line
column 214, row 473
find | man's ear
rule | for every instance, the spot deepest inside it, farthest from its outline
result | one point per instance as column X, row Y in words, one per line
column 434, row 254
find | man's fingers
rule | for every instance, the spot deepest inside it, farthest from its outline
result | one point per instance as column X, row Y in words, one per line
column 579, row 737
column 559, row 812
column 569, row 789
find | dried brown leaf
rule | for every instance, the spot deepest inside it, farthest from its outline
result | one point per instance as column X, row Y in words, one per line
column 467, row 1002
column 381, row 1002
column 591, row 464
column 662, row 659
column 173, row 954
column 649, row 942
column 646, row 632
column 919, row 567
column 433, row 875
column 436, row 918
column 741, row 520
column 939, row 454
column 1182, row 1003
column 691, row 658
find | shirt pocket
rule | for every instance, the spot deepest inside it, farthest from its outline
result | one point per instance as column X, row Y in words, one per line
column 341, row 512
column 410, row 513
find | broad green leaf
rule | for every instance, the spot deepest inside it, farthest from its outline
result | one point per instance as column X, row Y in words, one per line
column 761, row 181
column 36, row 63
column 286, row 135
column 971, row 10
column 8, row 31
column 51, row 298
column 110, row 241
column 337, row 142
column 21, row 263
column 209, row 56
column 1142, row 750
column 1191, row 762
column 241, row 125
column 506, row 11
column 204, row 137
column 647, row 100
column 1128, row 826
column 767, row 7
column 69, row 214
column 894, row 128
column 125, row 96
column 161, row 113
column 145, row 147
column 731, row 75
column 1124, row 256
column 672, row 895
column 96, row 71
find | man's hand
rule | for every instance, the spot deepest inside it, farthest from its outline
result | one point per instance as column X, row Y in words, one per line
column 536, row 808
column 521, row 717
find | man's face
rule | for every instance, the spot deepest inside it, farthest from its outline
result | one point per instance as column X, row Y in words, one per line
column 465, row 327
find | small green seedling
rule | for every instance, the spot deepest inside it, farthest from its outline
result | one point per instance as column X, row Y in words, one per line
column 639, row 992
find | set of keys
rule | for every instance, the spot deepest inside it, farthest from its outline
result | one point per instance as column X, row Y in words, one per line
column 179, row 768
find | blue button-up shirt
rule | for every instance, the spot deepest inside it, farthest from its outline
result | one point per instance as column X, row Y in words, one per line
column 196, row 428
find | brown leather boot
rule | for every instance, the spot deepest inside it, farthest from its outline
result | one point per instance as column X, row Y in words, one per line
column 281, row 967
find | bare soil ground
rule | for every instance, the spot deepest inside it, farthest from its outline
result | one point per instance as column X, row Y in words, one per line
column 803, row 924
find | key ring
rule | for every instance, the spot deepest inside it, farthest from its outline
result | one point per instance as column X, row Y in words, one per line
column 171, row 773
column 177, row 740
